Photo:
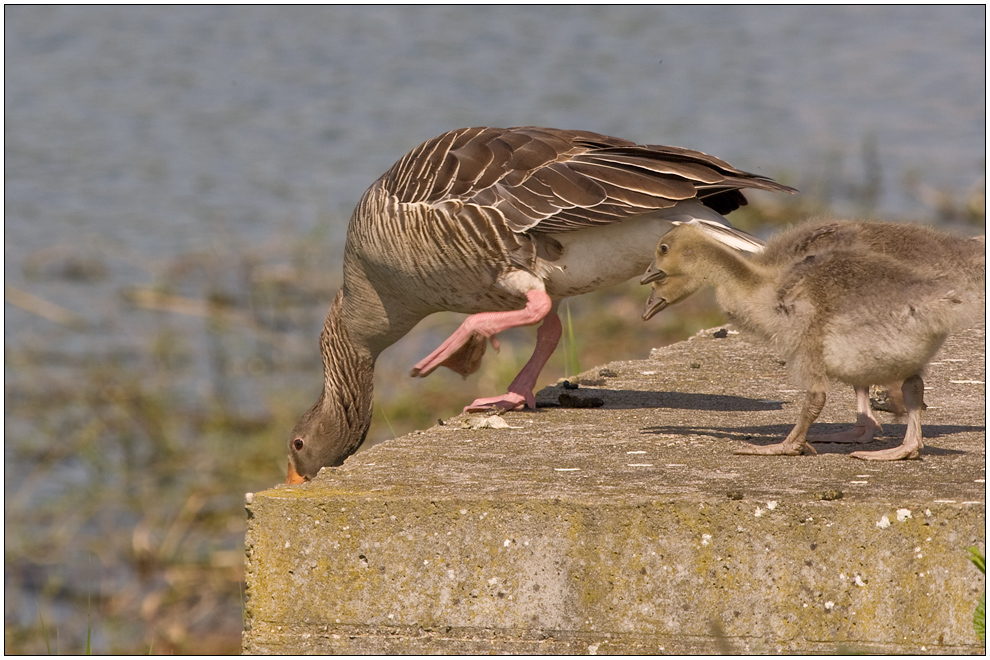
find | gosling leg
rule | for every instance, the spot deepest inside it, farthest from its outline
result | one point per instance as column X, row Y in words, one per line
column 892, row 400
column 866, row 426
column 795, row 443
column 913, row 390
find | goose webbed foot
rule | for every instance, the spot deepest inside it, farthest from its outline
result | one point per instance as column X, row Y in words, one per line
column 796, row 442
column 520, row 393
column 913, row 391
column 867, row 426
column 859, row 434
column 507, row 401
column 904, row 452
column 784, row 448
column 461, row 353
column 864, row 431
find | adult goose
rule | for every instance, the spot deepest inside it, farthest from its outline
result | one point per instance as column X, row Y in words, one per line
column 501, row 224
column 863, row 303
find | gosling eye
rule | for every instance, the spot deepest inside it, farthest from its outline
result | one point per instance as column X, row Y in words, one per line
column 298, row 444
column 664, row 248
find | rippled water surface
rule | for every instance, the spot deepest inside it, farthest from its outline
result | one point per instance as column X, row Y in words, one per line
column 160, row 131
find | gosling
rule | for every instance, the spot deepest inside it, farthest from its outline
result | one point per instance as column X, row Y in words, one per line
column 848, row 309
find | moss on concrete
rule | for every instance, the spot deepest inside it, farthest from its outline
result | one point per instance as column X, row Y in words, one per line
column 632, row 528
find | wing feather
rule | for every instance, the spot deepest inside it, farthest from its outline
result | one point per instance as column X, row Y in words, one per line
column 545, row 180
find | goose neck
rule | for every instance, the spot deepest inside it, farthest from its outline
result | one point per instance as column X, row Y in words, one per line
column 348, row 368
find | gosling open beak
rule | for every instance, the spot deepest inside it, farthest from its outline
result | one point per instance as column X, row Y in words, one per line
column 652, row 273
column 294, row 477
column 654, row 304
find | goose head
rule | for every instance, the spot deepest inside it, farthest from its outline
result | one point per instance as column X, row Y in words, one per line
column 323, row 437
column 674, row 270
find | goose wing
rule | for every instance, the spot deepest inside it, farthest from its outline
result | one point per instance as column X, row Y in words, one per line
column 543, row 180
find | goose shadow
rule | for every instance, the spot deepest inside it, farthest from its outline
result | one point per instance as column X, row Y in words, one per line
column 618, row 399
column 773, row 433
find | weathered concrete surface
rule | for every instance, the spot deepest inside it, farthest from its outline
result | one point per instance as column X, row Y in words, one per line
column 632, row 528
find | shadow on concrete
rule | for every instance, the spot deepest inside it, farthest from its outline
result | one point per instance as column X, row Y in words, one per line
column 772, row 433
column 619, row 399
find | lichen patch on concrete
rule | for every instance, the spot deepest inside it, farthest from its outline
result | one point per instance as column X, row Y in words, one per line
column 633, row 528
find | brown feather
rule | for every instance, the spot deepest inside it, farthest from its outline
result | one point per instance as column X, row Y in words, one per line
column 572, row 188
column 545, row 180
column 618, row 181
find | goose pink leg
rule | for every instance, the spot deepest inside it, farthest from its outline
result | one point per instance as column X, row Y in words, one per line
column 520, row 393
column 463, row 350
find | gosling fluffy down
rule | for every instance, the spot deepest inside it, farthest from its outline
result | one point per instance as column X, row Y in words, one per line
column 860, row 302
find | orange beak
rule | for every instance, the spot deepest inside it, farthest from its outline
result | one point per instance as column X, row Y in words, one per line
column 294, row 477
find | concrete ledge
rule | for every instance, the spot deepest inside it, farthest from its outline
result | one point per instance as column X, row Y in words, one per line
column 632, row 528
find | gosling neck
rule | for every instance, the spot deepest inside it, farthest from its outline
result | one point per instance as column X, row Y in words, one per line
column 734, row 276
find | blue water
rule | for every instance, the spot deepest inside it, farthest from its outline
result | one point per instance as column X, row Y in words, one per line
column 160, row 127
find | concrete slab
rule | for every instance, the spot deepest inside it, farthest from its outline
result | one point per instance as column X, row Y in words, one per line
column 632, row 528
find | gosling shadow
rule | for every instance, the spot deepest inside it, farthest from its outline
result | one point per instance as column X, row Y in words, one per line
column 773, row 433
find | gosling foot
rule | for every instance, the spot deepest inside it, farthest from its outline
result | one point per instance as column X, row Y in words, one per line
column 859, row 434
column 796, row 442
column 866, row 428
column 902, row 453
column 913, row 391
column 780, row 449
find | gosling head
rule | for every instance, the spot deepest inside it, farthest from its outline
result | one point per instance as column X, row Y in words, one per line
column 674, row 272
column 323, row 437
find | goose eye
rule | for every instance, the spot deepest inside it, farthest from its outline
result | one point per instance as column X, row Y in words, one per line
column 664, row 248
column 298, row 444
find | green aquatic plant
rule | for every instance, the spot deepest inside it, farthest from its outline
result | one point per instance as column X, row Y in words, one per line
column 980, row 614
column 44, row 631
column 571, row 365
column 381, row 409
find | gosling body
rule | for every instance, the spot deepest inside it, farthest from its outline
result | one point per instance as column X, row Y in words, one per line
column 838, row 300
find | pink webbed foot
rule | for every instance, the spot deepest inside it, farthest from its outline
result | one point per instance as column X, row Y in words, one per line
column 461, row 353
column 463, row 350
column 859, row 434
column 520, row 393
column 463, row 360
column 507, row 401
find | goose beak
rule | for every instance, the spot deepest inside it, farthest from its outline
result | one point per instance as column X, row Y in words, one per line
column 652, row 274
column 654, row 304
column 294, row 477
